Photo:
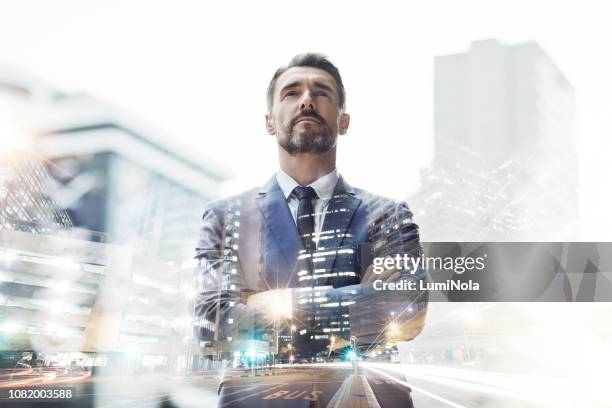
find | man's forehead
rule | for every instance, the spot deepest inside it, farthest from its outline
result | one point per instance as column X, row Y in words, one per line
column 299, row 75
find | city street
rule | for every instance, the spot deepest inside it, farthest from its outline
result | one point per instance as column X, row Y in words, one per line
column 305, row 387
column 326, row 385
column 333, row 385
column 394, row 385
column 323, row 385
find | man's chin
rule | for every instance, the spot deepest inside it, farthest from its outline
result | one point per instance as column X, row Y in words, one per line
column 308, row 142
column 294, row 150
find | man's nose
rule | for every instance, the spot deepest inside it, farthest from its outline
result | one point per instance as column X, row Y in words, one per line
column 307, row 102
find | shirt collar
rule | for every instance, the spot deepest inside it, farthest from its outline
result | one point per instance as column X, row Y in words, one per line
column 324, row 186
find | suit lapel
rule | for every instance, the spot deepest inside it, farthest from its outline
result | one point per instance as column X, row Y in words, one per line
column 273, row 205
column 338, row 218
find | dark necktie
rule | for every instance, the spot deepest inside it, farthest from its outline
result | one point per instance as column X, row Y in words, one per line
column 305, row 216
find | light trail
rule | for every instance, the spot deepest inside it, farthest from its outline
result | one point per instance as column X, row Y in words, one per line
column 504, row 388
column 412, row 387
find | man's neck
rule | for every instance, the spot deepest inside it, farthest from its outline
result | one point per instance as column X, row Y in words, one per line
column 305, row 168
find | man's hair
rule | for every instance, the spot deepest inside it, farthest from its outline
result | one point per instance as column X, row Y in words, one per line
column 314, row 60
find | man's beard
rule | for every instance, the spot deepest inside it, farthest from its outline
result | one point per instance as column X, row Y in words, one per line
column 312, row 139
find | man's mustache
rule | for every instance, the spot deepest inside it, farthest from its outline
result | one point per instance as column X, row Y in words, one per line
column 308, row 114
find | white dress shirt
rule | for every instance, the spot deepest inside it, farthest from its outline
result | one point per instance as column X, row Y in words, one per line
column 324, row 187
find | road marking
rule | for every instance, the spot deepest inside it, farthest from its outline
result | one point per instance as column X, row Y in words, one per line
column 294, row 395
column 289, row 395
column 422, row 391
column 275, row 395
column 252, row 395
column 250, row 388
column 342, row 391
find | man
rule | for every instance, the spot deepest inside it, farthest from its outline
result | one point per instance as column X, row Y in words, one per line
column 306, row 231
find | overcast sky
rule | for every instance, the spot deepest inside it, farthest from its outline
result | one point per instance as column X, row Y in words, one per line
column 199, row 73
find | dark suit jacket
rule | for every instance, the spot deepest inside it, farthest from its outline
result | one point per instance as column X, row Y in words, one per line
column 249, row 243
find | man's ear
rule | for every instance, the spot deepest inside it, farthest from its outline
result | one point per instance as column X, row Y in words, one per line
column 345, row 120
column 270, row 128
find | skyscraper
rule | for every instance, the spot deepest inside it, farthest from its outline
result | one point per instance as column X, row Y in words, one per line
column 505, row 164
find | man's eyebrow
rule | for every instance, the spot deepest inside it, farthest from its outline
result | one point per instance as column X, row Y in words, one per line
column 325, row 86
column 290, row 85
column 295, row 84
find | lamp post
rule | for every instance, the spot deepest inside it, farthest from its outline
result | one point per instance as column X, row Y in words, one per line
column 275, row 341
column 354, row 351
column 332, row 341
column 291, row 344
column 278, row 303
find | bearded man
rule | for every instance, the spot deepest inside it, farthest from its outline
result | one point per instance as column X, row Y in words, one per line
column 306, row 231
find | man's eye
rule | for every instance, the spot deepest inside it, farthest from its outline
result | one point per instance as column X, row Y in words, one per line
column 290, row 93
column 321, row 93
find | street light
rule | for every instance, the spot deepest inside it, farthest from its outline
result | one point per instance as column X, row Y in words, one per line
column 332, row 340
column 393, row 331
column 352, row 354
column 275, row 305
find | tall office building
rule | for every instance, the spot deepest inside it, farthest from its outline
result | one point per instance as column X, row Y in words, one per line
column 98, row 173
column 505, row 165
